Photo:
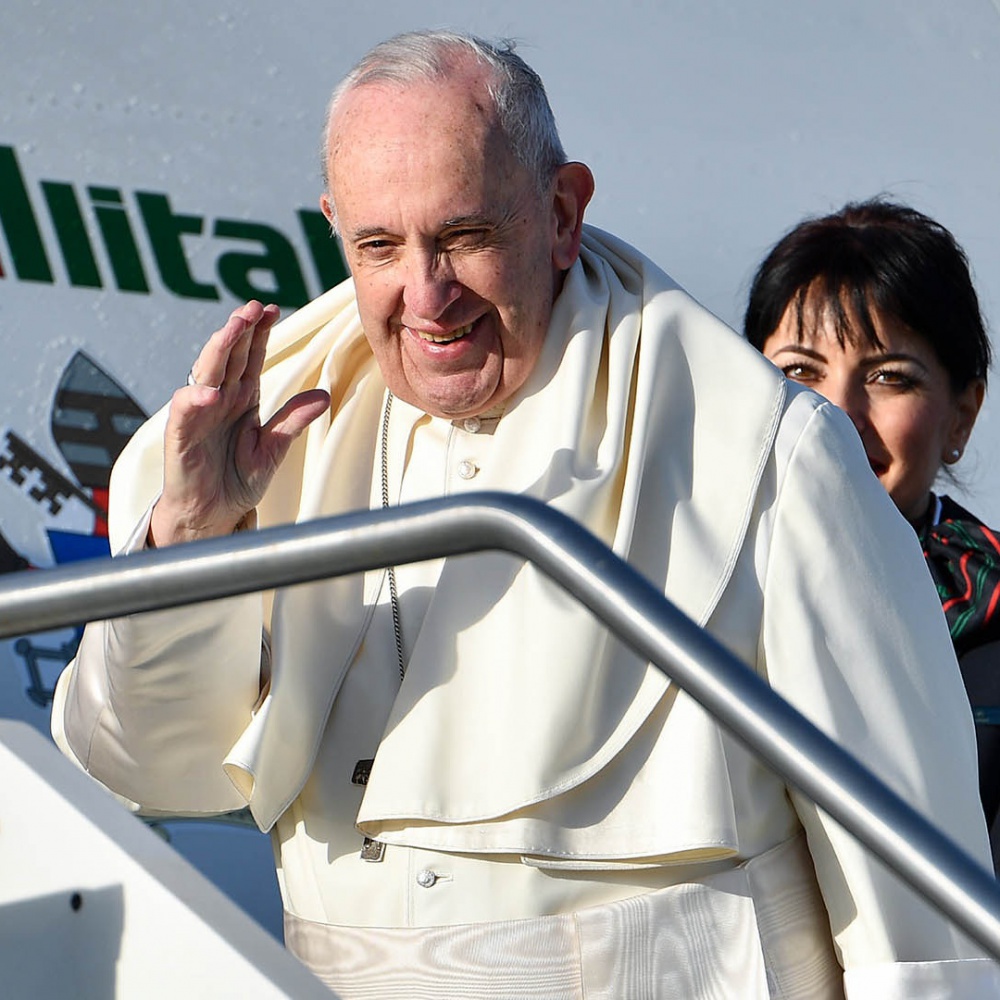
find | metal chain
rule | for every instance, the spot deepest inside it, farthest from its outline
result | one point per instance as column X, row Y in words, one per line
column 393, row 597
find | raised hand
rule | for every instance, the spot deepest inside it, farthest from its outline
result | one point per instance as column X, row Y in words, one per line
column 218, row 458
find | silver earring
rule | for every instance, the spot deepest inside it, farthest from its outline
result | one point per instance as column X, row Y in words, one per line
column 956, row 454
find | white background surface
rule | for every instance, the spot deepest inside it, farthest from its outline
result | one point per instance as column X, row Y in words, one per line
column 711, row 127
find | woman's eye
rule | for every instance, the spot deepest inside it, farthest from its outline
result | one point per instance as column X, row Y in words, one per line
column 894, row 379
column 799, row 372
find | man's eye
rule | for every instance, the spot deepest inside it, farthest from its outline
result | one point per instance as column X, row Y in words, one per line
column 466, row 238
column 376, row 250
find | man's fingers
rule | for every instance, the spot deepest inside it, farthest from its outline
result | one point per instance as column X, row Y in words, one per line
column 194, row 412
column 258, row 343
column 224, row 358
column 246, row 359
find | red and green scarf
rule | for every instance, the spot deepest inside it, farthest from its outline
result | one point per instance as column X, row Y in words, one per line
column 963, row 556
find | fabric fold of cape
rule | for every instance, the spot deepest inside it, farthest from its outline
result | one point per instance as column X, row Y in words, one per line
column 541, row 699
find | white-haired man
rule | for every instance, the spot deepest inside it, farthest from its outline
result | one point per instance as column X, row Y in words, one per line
column 472, row 788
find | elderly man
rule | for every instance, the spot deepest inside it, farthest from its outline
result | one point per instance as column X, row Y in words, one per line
column 472, row 789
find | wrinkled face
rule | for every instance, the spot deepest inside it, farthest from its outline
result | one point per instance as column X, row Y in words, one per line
column 899, row 399
column 454, row 254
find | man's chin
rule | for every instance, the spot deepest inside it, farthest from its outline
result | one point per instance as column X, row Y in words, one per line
column 452, row 405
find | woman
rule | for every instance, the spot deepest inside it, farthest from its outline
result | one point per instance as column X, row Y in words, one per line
column 874, row 308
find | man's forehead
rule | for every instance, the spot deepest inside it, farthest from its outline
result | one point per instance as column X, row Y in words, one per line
column 429, row 151
column 460, row 99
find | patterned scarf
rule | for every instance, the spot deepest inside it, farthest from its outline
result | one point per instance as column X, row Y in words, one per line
column 963, row 556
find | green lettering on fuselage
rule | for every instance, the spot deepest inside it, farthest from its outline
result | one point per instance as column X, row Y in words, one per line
column 265, row 263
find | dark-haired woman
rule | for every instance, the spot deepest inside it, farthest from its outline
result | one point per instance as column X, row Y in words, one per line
column 874, row 308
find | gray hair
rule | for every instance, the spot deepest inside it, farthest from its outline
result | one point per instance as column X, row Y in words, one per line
column 522, row 107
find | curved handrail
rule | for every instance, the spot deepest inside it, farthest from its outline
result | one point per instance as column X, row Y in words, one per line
column 587, row 569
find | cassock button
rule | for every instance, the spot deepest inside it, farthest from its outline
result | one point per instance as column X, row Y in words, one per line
column 472, row 424
column 426, row 878
column 467, row 469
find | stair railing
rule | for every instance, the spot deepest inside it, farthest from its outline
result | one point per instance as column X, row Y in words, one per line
column 608, row 587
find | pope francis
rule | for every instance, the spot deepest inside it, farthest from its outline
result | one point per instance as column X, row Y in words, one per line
column 471, row 787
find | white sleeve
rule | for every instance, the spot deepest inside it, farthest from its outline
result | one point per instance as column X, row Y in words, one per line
column 152, row 703
column 853, row 636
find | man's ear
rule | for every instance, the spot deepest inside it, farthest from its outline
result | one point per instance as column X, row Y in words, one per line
column 326, row 207
column 573, row 189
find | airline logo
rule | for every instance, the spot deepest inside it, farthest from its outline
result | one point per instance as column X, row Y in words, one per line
column 91, row 417
column 97, row 246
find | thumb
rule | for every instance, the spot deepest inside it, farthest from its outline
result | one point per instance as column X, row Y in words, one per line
column 293, row 418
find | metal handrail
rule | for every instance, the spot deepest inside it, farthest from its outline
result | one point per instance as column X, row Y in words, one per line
column 587, row 569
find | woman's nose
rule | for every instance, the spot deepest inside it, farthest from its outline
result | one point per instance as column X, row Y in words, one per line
column 850, row 398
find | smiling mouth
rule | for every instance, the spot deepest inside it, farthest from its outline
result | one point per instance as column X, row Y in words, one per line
column 444, row 338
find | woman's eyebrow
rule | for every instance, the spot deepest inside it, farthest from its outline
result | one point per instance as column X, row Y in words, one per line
column 797, row 348
column 896, row 356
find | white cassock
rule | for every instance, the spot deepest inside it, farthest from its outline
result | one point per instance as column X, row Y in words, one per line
column 559, row 820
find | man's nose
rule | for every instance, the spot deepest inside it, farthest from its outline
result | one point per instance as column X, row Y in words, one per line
column 431, row 285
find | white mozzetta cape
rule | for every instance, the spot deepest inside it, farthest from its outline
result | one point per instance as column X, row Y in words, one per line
column 521, row 727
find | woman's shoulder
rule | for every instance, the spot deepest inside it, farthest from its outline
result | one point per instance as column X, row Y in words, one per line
column 952, row 511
